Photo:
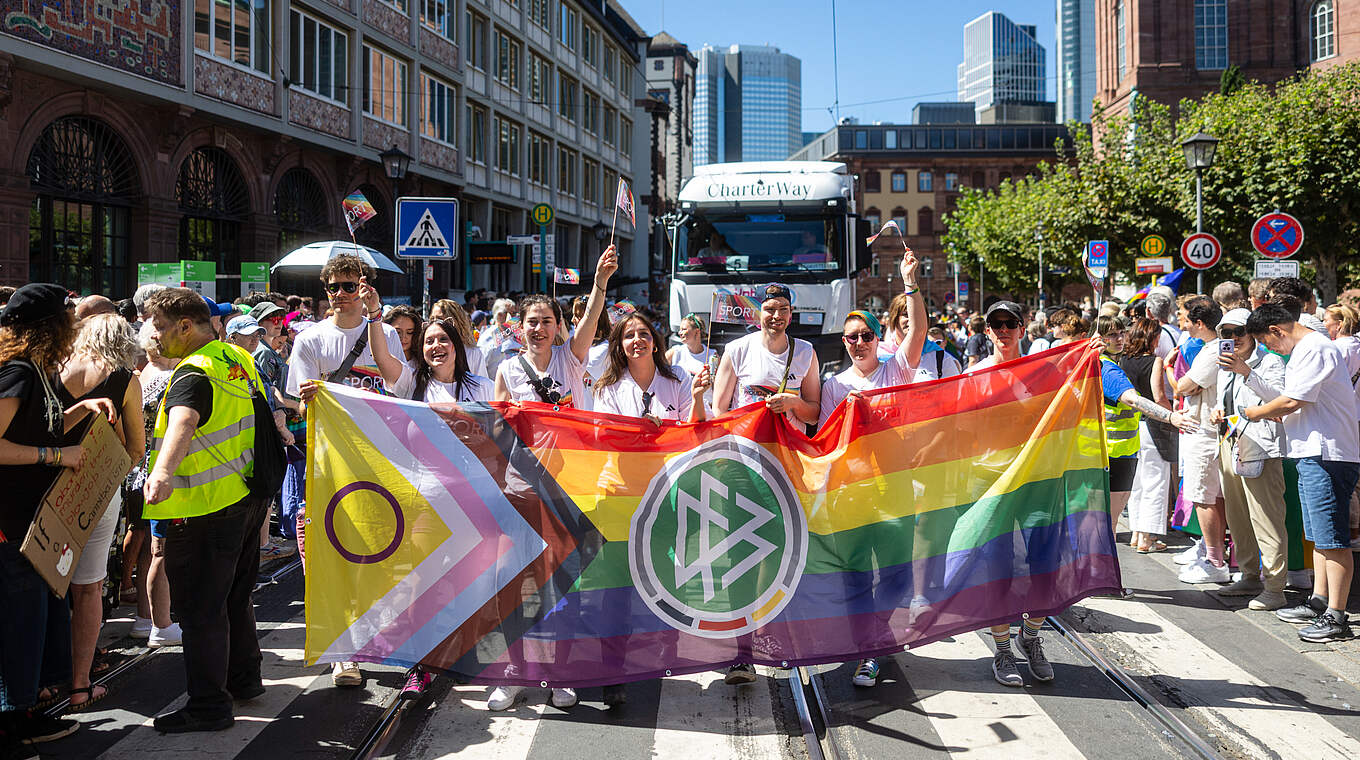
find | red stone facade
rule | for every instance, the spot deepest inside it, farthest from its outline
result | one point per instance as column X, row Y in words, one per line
column 391, row 21
column 315, row 113
column 381, row 135
column 233, row 85
column 440, row 48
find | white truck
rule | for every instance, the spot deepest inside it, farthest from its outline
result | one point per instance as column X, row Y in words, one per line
column 742, row 225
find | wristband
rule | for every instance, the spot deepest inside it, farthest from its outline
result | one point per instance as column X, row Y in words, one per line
column 56, row 462
column 42, row 455
column 912, row 291
column 371, row 320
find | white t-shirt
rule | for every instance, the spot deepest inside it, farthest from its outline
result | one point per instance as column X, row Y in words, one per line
column 760, row 373
column 937, row 363
column 693, row 363
column 1168, row 337
column 320, row 350
column 891, row 372
column 1312, row 322
column 1204, row 371
column 476, row 360
column 565, row 376
column 1039, row 345
column 475, row 387
column 671, row 399
column 597, row 359
column 1325, row 426
column 1349, row 346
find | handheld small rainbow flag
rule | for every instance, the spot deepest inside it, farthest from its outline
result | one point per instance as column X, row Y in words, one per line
column 565, row 276
column 621, row 309
column 624, row 201
column 357, row 211
column 891, row 224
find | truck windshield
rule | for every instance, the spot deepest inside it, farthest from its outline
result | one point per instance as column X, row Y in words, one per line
column 747, row 242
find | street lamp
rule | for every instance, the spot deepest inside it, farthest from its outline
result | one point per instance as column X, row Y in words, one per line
column 1039, row 238
column 395, row 162
column 1199, row 155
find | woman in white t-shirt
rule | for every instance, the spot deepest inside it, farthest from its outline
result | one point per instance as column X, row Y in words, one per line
column 638, row 381
column 1342, row 322
column 545, row 372
column 450, row 310
column 692, row 355
column 441, row 374
column 406, row 321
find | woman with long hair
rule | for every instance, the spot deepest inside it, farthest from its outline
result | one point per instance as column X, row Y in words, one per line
column 1150, row 497
column 638, row 381
column 692, row 355
column 406, row 321
column 597, row 355
column 441, row 373
column 447, row 309
column 936, row 359
column 100, row 366
column 37, row 329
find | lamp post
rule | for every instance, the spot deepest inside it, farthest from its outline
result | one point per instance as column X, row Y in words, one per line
column 1039, row 238
column 1199, row 155
column 395, row 162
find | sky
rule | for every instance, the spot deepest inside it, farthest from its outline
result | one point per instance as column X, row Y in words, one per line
column 892, row 54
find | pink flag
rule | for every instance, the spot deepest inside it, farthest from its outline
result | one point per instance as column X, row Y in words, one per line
column 624, row 201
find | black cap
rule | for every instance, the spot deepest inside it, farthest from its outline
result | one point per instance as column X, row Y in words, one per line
column 1010, row 307
column 775, row 290
column 34, row 303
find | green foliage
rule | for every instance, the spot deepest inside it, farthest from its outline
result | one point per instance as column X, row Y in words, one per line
column 1293, row 147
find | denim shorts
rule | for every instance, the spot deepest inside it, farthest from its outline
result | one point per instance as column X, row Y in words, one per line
column 1325, row 492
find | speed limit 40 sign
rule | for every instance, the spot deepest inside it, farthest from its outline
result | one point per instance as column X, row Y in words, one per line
column 1201, row 251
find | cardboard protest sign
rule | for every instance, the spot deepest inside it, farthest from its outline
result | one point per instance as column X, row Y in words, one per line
column 73, row 505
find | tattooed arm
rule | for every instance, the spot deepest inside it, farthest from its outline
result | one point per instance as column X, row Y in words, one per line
column 1155, row 411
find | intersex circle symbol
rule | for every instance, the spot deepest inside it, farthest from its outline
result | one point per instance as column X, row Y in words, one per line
column 1277, row 235
column 364, row 559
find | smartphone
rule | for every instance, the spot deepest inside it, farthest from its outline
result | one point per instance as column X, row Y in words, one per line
column 1226, row 346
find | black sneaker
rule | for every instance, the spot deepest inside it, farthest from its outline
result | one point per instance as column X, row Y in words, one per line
column 614, row 695
column 36, row 728
column 740, row 674
column 1329, row 626
column 182, row 722
column 1303, row 613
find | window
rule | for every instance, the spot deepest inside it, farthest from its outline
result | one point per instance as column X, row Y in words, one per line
column 507, row 146
column 861, row 139
column 384, row 86
column 611, row 58
column 899, row 182
column 924, row 182
column 590, row 111
column 566, row 97
column 873, row 182
column 435, row 14
column 590, row 45
column 1322, row 29
column 398, row 4
column 951, row 180
column 875, row 219
column 1211, row 34
column 611, row 121
column 625, row 79
column 476, row 40
column 235, row 31
column 507, row 60
column 566, row 171
column 899, row 215
column 476, row 134
column 925, row 221
column 625, row 136
column 979, row 180
column 318, row 57
column 438, row 104
column 659, row 65
column 1120, row 45
column 538, row 13
column 873, row 269
column 539, row 71
column 539, row 156
column 590, row 180
column 927, row 268
column 566, row 25
column 610, row 187
column 890, row 139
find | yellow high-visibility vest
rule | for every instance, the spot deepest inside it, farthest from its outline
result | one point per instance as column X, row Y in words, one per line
column 1121, row 425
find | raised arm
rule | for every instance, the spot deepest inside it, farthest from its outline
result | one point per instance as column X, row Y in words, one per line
column 908, row 354
column 583, row 337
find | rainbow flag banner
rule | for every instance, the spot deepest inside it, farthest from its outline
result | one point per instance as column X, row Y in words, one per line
column 529, row 544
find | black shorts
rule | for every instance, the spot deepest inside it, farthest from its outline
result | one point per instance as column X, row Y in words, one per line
column 133, row 502
column 1122, row 472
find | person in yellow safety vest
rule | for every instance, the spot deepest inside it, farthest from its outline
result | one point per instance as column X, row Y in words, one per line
column 1124, row 407
column 202, row 451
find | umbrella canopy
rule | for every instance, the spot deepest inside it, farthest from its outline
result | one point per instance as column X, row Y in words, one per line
column 315, row 255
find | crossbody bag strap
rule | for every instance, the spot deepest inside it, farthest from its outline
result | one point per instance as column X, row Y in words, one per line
column 535, row 382
column 348, row 364
column 788, row 367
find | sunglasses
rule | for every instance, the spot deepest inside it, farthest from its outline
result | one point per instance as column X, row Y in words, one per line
column 859, row 337
column 336, row 287
column 1232, row 331
column 1004, row 324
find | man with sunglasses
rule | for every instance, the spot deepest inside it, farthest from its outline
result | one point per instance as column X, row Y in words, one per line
column 327, row 352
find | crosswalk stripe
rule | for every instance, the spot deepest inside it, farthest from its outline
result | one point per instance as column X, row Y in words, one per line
column 975, row 717
column 461, row 720
column 1261, row 727
column 701, row 717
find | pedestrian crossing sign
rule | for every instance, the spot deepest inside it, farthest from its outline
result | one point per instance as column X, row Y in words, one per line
column 427, row 228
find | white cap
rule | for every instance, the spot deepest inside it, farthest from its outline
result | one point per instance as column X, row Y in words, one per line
column 1236, row 317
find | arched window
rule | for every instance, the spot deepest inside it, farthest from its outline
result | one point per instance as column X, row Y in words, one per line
column 925, row 221
column 300, row 209
column 899, row 215
column 1322, row 29
column 79, row 224
column 875, row 218
column 214, row 201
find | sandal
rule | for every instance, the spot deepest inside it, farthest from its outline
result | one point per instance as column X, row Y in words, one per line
column 90, row 697
column 47, row 696
column 1156, row 546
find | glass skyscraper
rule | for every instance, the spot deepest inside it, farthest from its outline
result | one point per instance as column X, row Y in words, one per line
column 748, row 104
column 1003, row 62
column 1076, row 59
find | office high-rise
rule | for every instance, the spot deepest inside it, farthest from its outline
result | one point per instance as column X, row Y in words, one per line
column 1076, row 59
column 748, row 102
column 1003, row 63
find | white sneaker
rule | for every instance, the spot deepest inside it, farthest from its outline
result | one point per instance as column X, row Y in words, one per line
column 503, row 697
column 1302, row 579
column 346, row 675
column 1190, row 555
column 1203, row 571
column 141, row 628
column 165, row 637
column 563, row 698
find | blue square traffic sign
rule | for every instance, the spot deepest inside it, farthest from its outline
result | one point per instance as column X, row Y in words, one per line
column 1098, row 253
column 427, row 228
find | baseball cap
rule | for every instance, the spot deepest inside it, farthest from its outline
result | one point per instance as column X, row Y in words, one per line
column 217, row 309
column 243, row 326
column 266, row 310
column 774, row 290
column 1006, row 307
column 34, row 303
column 1237, row 317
